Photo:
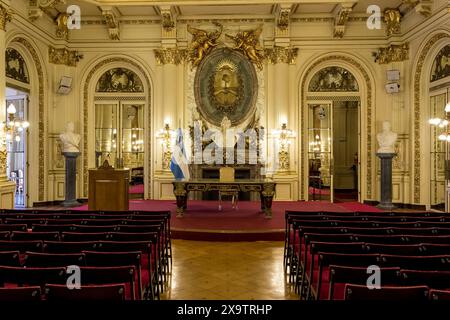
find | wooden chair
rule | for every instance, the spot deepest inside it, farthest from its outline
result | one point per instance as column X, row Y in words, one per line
column 227, row 175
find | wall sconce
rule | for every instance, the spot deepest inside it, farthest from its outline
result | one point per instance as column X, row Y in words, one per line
column 166, row 134
column 283, row 137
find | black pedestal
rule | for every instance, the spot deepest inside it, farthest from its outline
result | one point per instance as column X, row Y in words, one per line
column 71, row 179
column 386, row 181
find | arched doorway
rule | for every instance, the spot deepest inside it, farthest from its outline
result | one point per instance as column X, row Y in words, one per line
column 332, row 104
column 119, row 104
column 330, row 83
column 17, row 98
column 117, row 127
column 439, row 91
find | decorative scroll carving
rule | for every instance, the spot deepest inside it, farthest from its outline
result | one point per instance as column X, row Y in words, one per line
column 5, row 17
column 62, row 31
column 392, row 18
column 63, row 56
column 202, row 43
column 340, row 20
column 119, row 80
column 3, row 162
column 36, row 7
column 112, row 23
column 393, row 53
column 333, row 79
column 170, row 56
column 421, row 6
column 283, row 17
column 248, row 43
column 441, row 65
column 168, row 21
column 16, row 67
column 281, row 55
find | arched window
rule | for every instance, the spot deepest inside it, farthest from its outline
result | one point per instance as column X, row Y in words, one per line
column 333, row 79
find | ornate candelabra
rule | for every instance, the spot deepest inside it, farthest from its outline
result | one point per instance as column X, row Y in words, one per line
column 166, row 134
column 283, row 136
column 11, row 129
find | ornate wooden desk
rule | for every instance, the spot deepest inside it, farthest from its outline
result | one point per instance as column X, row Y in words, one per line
column 265, row 187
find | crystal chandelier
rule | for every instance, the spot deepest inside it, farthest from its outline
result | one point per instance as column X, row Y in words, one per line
column 13, row 127
column 442, row 123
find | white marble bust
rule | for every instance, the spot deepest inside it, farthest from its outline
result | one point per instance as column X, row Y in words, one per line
column 386, row 139
column 69, row 139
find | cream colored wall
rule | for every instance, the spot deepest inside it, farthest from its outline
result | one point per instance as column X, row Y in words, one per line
column 282, row 93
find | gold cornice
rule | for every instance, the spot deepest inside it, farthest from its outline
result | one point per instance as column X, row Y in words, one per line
column 393, row 53
column 281, row 55
column 170, row 56
column 63, row 56
column 5, row 17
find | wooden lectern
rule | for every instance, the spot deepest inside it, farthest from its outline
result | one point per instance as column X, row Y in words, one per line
column 108, row 188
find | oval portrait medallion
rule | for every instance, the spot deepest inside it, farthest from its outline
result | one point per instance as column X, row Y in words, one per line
column 225, row 85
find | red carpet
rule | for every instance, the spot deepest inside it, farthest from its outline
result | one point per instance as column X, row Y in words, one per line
column 203, row 220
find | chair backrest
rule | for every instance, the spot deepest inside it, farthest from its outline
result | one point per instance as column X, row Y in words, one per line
column 124, row 246
column 112, row 259
column 108, row 275
column 345, row 259
column 336, row 247
column 32, row 276
column 13, row 227
column 341, row 238
column 436, row 248
column 226, row 174
column 27, row 236
column 410, row 294
column 103, row 222
column 416, row 262
column 359, row 275
column 69, row 247
column 10, row 258
column 53, row 228
column 397, row 249
column 28, row 222
column 107, row 292
column 432, row 279
column 440, row 295
column 94, row 229
column 4, row 235
column 22, row 246
column 34, row 259
column 84, row 236
column 139, row 228
column 145, row 236
column 20, row 294
column 427, row 239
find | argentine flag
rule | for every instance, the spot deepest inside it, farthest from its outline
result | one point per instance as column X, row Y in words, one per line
column 179, row 163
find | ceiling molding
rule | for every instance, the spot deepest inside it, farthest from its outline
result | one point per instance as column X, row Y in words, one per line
column 341, row 16
column 110, row 16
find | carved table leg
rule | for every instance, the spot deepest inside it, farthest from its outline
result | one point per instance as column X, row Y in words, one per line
column 179, row 190
column 267, row 195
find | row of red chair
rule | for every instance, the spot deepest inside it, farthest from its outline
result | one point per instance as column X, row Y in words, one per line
column 55, row 292
column 317, row 245
column 148, row 233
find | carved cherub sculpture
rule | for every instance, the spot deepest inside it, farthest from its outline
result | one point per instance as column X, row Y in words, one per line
column 202, row 42
column 248, row 43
